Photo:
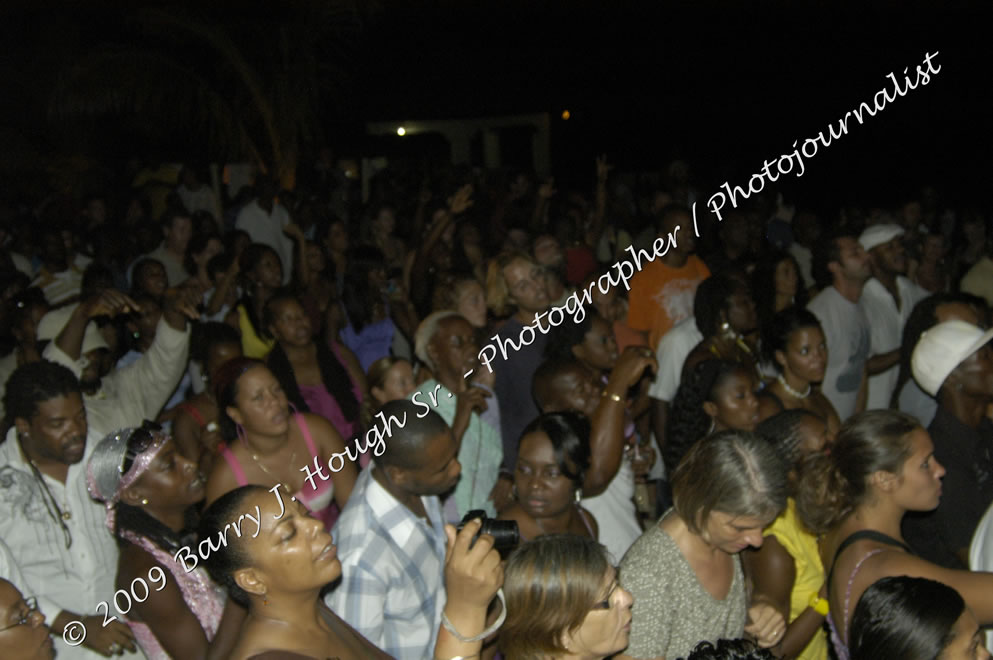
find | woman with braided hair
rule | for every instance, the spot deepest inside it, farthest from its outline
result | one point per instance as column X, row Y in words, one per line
column 150, row 492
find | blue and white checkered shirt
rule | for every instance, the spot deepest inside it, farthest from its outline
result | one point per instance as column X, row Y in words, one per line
column 392, row 562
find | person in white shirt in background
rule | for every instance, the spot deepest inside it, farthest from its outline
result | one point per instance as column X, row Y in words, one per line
column 55, row 532
column 195, row 195
column 887, row 300
column 264, row 219
column 842, row 266
column 177, row 230
column 806, row 232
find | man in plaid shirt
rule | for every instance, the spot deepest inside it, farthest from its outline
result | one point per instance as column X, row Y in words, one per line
column 391, row 537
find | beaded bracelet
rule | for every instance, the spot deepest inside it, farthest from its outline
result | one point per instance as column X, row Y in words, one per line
column 486, row 633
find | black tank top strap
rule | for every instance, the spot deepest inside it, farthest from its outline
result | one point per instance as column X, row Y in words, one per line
column 871, row 535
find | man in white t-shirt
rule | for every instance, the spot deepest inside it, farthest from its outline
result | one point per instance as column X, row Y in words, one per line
column 887, row 300
column 843, row 264
column 264, row 220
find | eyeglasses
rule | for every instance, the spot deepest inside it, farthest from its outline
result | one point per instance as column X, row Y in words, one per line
column 26, row 617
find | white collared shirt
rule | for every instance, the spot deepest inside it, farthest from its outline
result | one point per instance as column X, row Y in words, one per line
column 74, row 579
column 392, row 589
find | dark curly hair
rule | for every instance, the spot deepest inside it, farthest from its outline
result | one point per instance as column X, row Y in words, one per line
column 729, row 649
column 711, row 299
column 222, row 563
column 34, row 383
column 688, row 421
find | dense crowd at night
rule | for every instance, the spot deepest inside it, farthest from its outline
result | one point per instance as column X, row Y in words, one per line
column 442, row 410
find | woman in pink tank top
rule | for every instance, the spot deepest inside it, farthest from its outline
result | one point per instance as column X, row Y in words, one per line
column 269, row 445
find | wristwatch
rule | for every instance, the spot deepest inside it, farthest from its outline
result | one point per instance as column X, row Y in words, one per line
column 819, row 604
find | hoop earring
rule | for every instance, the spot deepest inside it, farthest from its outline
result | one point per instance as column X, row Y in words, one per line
column 713, row 425
column 579, row 495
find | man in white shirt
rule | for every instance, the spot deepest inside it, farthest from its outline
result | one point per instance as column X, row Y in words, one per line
column 887, row 300
column 843, row 266
column 177, row 229
column 55, row 531
column 264, row 220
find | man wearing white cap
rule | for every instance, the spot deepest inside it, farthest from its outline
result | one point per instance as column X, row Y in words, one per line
column 953, row 362
column 887, row 300
column 841, row 266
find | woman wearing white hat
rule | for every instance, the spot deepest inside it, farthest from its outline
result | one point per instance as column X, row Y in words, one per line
column 953, row 362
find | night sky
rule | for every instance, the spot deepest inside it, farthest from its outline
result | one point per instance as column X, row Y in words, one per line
column 723, row 85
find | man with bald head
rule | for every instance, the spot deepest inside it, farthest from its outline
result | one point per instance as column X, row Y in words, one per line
column 391, row 537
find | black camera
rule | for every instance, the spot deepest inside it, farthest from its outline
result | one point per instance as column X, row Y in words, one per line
column 506, row 535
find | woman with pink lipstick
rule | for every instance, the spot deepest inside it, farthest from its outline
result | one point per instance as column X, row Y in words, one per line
column 563, row 601
column 23, row 632
column 269, row 444
column 280, row 573
column 150, row 491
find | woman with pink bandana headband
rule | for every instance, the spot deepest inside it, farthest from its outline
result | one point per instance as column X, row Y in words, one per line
column 150, row 491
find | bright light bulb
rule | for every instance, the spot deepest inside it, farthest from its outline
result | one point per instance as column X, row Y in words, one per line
column 566, row 114
column 401, row 131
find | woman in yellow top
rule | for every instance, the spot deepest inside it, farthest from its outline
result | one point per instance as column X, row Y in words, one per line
column 262, row 274
column 787, row 569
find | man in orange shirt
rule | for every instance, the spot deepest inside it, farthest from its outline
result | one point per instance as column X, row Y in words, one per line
column 662, row 293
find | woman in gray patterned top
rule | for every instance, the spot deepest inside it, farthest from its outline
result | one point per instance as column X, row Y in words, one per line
column 684, row 572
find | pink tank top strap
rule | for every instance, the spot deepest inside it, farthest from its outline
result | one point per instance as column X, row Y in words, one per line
column 848, row 588
column 306, row 434
column 192, row 411
column 239, row 473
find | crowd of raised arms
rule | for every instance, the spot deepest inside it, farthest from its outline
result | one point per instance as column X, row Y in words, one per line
column 256, row 423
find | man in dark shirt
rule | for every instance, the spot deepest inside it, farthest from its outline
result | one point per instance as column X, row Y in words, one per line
column 953, row 362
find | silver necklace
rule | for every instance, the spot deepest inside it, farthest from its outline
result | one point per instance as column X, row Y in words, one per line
column 792, row 392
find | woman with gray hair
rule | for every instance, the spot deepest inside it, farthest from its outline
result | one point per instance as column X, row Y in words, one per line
column 460, row 392
column 150, row 491
column 685, row 572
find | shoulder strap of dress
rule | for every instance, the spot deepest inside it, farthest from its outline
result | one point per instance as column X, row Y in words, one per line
column 869, row 534
column 306, row 434
column 239, row 473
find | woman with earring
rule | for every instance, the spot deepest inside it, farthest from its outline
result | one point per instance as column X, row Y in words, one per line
column 195, row 426
column 794, row 342
column 269, row 445
column 552, row 460
column 725, row 315
column 150, row 492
